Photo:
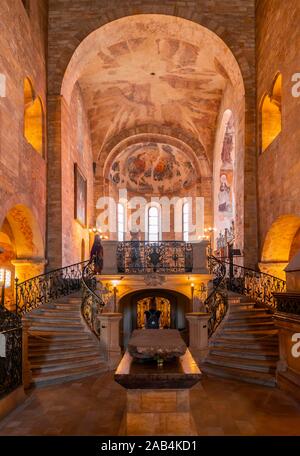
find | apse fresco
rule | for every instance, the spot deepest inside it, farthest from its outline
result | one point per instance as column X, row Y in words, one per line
column 152, row 167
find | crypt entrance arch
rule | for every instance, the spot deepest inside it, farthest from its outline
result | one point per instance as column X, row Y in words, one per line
column 173, row 305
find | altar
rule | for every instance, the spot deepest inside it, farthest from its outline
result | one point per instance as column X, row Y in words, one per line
column 157, row 371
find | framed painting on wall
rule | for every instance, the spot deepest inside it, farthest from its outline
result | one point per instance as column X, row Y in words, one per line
column 80, row 196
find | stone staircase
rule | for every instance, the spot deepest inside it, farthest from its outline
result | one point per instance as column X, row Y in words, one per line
column 245, row 347
column 61, row 347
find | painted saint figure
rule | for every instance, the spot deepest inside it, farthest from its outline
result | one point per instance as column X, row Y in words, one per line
column 97, row 254
column 224, row 195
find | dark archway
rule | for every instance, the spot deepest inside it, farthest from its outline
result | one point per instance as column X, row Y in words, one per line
column 179, row 303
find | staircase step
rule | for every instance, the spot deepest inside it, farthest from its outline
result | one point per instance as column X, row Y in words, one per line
column 68, row 375
column 245, row 344
column 39, row 356
column 249, row 334
column 260, row 378
column 247, row 354
column 253, row 317
column 268, row 366
column 64, row 364
column 57, row 330
column 249, row 326
column 53, row 321
column 46, row 339
column 54, row 313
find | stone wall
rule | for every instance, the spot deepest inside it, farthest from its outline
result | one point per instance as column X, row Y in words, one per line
column 278, row 50
column 231, row 21
column 76, row 149
column 22, row 169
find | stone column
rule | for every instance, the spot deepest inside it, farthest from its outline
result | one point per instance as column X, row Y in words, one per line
column 26, row 371
column 110, row 257
column 110, row 337
column 198, row 334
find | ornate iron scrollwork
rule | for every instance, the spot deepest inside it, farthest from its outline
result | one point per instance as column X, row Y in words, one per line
column 288, row 302
column 48, row 287
column 142, row 257
column 95, row 297
column 255, row 284
column 216, row 303
column 11, row 362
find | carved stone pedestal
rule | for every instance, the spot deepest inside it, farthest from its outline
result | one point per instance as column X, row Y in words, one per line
column 158, row 398
column 158, row 412
column 110, row 337
column 198, row 334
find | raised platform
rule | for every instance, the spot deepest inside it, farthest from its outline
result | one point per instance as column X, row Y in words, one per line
column 158, row 397
column 182, row 373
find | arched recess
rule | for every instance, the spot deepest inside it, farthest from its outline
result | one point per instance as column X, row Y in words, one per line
column 23, row 246
column 277, row 247
column 224, row 175
column 179, row 306
column 33, row 118
column 270, row 114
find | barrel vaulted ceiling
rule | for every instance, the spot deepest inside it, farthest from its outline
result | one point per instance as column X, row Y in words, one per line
column 152, row 70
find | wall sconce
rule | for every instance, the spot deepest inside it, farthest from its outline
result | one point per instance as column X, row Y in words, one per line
column 192, row 291
column 96, row 230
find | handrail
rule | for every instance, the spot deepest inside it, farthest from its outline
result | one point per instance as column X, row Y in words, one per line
column 92, row 304
column 259, row 286
column 142, row 257
column 11, row 363
column 216, row 303
column 44, row 288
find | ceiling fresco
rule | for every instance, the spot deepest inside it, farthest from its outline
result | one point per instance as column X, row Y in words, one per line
column 152, row 167
column 152, row 70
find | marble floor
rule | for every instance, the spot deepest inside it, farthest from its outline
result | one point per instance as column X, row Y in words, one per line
column 95, row 406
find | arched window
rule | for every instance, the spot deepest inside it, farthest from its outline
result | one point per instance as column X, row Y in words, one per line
column 121, row 222
column 33, row 117
column 153, row 224
column 185, row 222
column 271, row 114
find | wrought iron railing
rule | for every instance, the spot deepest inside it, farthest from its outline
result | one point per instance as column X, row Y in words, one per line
column 95, row 297
column 10, row 352
column 216, row 303
column 257, row 285
column 48, row 287
column 142, row 257
column 288, row 302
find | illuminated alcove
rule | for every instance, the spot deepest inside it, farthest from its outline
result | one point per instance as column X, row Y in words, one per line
column 33, row 117
column 271, row 114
